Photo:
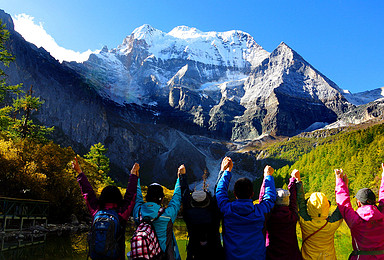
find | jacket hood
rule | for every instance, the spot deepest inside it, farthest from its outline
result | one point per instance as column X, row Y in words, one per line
column 369, row 212
column 150, row 209
column 318, row 205
column 242, row 207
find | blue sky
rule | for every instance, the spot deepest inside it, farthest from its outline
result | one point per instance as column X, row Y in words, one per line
column 342, row 39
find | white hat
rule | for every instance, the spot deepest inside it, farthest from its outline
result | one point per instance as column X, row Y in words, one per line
column 200, row 199
column 282, row 197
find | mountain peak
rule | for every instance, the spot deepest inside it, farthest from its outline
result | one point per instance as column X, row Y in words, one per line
column 7, row 20
column 145, row 31
column 185, row 32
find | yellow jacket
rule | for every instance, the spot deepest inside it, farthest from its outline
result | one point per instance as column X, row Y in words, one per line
column 314, row 216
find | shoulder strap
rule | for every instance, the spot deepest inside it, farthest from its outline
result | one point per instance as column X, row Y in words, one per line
column 161, row 211
column 315, row 232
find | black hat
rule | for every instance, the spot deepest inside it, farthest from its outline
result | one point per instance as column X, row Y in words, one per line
column 366, row 196
column 155, row 193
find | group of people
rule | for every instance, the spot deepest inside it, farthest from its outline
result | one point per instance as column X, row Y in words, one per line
column 264, row 230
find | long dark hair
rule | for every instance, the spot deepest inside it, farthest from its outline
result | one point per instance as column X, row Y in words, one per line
column 110, row 194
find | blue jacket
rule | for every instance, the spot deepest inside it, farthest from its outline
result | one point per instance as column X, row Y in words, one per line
column 163, row 223
column 244, row 221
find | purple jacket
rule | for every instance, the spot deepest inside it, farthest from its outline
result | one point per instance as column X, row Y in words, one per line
column 366, row 223
column 124, row 211
column 281, row 239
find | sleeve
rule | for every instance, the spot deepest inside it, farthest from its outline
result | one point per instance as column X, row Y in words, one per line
column 184, row 186
column 88, row 193
column 293, row 196
column 269, row 197
column 174, row 205
column 336, row 216
column 301, row 202
column 138, row 201
column 381, row 194
column 262, row 191
column 222, row 192
column 129, row 197
column 218, row 179
column 344, row 203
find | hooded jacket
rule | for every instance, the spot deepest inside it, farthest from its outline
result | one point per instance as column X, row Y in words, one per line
column 313, row 216
column 243, row 221
column 281, row 238
column 164, row 224
column 366, row 223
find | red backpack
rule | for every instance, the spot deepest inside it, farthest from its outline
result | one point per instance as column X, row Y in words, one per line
column 144, row 242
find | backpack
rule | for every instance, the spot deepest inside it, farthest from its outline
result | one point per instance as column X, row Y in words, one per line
column 104, row 235
column 144, row 242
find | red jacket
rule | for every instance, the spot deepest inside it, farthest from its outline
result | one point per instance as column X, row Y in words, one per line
column 366, row 223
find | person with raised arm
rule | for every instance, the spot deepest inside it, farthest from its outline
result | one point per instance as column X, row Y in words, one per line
column 202, row 217
column 317, row 227
column 366, row 222
column 109, row 202
column 244, row 221
column 281, row 238
column 163, row 218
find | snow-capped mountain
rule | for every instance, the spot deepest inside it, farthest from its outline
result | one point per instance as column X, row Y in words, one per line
column 151, row 55
column 364, row 97
column 223, row 81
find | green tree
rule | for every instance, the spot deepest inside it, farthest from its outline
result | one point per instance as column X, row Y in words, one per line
column 23, row 126
column 97, row 157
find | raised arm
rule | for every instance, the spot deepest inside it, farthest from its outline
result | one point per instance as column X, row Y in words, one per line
column 222, row 186
column 86, row 188
column 343, row 199
column 138, row 201
column 301, row 201
column 269, row 197
column 174, row 205
column 381, row 191
column 130, row 194
column 184, row 185
column 295, row 176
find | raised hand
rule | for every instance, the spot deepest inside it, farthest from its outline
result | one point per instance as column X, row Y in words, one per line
column 268, row 171
column 226, row 164
column 340, row 174
column 296, row 174
column 135, row 169
column 76, row 166
column 181, row 170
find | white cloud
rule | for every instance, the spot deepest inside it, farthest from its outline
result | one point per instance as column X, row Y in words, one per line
column 35, row 33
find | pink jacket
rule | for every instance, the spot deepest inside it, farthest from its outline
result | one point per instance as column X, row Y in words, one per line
column 366, row 223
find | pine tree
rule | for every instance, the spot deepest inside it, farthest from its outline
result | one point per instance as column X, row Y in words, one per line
column 97, row 157
column 23, row 125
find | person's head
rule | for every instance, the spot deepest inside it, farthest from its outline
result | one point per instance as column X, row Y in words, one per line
column 243, row 188
column 365, row 196
column 155, row 193
column 110, row 194
column 318, row 205
column 282, row 197
column 200, row 199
